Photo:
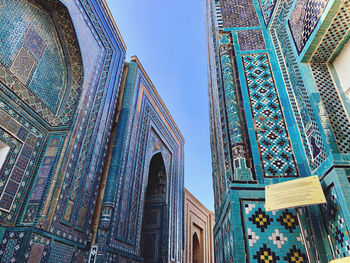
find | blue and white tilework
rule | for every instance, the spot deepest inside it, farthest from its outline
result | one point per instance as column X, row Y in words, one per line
column 274, row 144
column 335, row 223
column 237, row 13
column 304, row 19
column 252, row 39
column 267, row 7
column 271, row 237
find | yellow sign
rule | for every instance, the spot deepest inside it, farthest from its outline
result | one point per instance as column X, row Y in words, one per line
column 298, row 192
column 341, row 260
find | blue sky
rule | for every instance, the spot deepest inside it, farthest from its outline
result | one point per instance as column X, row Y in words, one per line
column 169, row 39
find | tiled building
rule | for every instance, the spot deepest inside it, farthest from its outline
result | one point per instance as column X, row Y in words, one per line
column 279, row 110
column 142, row 208
column 199, row 225
column 61, row 66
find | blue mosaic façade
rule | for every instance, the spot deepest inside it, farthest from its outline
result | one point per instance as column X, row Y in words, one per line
column 293, row 122
column 67, row 98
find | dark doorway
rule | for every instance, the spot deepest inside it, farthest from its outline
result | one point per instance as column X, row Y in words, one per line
column 196, row 249
column 153, row 235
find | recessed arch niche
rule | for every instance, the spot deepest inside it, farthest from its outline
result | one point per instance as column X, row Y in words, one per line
column 40, row 60
column 154, row 228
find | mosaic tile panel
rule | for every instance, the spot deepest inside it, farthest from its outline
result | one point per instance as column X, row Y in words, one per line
column 334, row 35
column 271, row 237
column 237, row 13
column 11, row 245
column 273, row 140
column 337, row 115
column 32, row 64
column 40, row 38
column 24, row 141
column 38, row 249
column 35, row 43
column 233, row 112
column 223, row 240
column 82, row 256
column 251, row 40
column 267, row 7
column 231, row 98
column 304, row 19
column 47, row 165
column 61, row 253
column 44, row 176
column 335, row 223
column 218, row 16
column 23, row 65
column 297, row 93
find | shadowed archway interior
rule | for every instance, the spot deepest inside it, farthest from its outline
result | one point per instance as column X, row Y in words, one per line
column 154, row 214
column 196, row 249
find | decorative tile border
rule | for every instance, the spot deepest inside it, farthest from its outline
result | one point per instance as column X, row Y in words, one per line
column 271, row 236
column 304, row 19
column 335, row 223
column 251, row 40
column 272, row 136
column 25, row 141
column 334, row 36
column 267, row 7
column 237, row 13
column 338, row 118
column 297, row 93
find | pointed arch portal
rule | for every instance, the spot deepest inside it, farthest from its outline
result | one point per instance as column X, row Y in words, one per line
column 196, row 249
column 154, row 223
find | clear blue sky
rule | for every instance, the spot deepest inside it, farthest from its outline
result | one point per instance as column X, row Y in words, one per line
column 169, row 39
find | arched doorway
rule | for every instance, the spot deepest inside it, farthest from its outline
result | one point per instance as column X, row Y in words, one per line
column 154, row 215
column 196, row 249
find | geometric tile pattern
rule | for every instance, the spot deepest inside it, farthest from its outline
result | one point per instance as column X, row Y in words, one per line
column 334, row 35
column 32, row 64
column 337, row 115
column 272, row 135
column 237, row 13
column 335, row 223
column 23, row 65
column 24, row 142
column 223, row 240
column 304, row 19
column 34, row 42
column 44, row 174
column 38, row 47
column 297, row 93
column 61, row 253
column 231, row 98
column 218, row 16
column 251, row 40
column 271, row 237
column 9, row 186
column 38, row 249
column 267, row 7
column 234, row 119
column 10, row 247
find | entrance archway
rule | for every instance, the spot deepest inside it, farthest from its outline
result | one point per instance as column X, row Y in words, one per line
column 196, row 249
column 154, row 214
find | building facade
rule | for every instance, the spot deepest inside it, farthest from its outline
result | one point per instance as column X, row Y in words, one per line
column 142, row 208
column 57, row 96
column 199, row 226
column 279, row 110
column 61, row 193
